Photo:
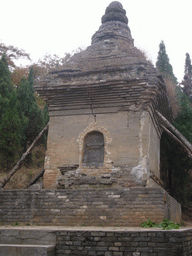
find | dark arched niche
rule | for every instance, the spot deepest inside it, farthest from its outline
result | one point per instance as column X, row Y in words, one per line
column 93, row 153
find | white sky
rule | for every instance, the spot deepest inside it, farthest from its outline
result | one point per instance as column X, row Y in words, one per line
column 59, row 26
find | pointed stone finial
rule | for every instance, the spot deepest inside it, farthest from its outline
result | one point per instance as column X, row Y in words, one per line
column 115, row 12
column 114, row 25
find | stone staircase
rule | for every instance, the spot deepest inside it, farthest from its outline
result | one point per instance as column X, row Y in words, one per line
column 27, row 242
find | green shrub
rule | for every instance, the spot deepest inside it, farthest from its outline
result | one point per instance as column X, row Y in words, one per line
column 149, row 224
column 165, row 225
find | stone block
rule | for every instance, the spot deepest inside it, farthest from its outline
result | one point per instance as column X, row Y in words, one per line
column 24, row 250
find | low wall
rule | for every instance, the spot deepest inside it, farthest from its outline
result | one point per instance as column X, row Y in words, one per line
column 125, row 243
column 101, row 241
column 90, row 207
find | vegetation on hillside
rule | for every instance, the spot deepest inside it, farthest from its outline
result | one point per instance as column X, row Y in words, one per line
column 21, row 119
column 176, row 167
column 23, row 114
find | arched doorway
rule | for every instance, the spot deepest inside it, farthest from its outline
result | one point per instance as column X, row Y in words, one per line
column 93, row 153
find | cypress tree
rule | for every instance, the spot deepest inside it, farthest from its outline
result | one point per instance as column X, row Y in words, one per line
column 188, row 66
column 20, row 117
column 163, row 65
column 10, row 133
column 10, row 125
column 187, row 80
column 6, row 86
column 29, row 111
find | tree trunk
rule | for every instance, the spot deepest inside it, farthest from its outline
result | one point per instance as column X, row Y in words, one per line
column 17, row 166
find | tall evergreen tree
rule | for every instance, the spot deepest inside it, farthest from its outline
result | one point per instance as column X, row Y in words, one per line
column 187, row 80
column 29, row 111
column 6, row 86
column 10, row 133
column 20, row 117
column 163, row 65
column 188, row 66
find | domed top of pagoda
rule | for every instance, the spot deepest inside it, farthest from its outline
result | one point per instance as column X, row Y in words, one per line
column 112, row 45
column 114, row 12
column 112, row 48
column 114, row 25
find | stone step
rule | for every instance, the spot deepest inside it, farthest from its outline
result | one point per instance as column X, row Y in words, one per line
column 27, row 236
column 26, row 250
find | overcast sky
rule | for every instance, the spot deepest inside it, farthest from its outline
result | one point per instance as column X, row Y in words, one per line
column 59, row 26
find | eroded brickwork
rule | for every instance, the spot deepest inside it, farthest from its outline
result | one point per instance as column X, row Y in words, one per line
column 130, row 141
column 91, row 207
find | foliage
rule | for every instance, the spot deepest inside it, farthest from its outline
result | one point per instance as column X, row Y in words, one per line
column 183, row 122
column 49, row 62
column 175, row 167
column 163, row 65
column 11, row 133
column 19, row 73
column 188, row 66
column 6, row 86
column 149, row 224
column 168, row 224
column 45, row 114
column 187, row 80
column 53, row 61
column 13, row 54
column 175, row 164
column 28, row 108
column 165, row 225
column 165, row 69
column 4, row 102
column 21, row 119
column 172, row 96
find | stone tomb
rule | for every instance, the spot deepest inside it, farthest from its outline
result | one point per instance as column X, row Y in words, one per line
column 103, row 132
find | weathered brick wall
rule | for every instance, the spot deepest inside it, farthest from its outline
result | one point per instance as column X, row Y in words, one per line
column 66, row 136
column 124, row 243
column 93, row 207
column 130, row 139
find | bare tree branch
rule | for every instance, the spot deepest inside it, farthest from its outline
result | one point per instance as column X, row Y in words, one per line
column 17, row 166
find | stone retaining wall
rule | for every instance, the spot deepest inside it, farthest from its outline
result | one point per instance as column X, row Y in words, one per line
column 90, row 207
column 99, row 241
column 124, row 243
